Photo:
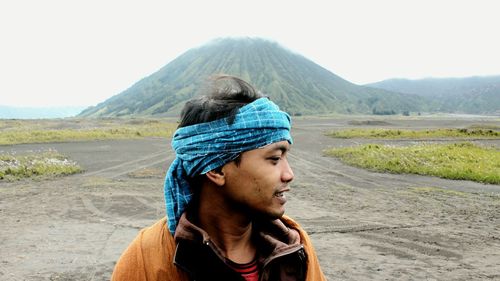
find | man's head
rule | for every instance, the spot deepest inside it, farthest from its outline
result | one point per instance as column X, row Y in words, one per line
column 225, row 95
column 232, row 122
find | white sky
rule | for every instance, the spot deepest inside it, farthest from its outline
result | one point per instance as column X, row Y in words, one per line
column 83, row 52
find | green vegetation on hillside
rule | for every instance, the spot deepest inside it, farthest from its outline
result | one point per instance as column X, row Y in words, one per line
column 459, row 161
column 40, row 131
column 473, row 95
column 44, row 164
column 414, row 134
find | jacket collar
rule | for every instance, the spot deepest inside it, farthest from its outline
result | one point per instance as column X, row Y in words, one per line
column 272, row 236
column 197, row 255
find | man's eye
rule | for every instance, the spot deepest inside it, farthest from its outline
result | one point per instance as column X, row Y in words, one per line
column 275, row 158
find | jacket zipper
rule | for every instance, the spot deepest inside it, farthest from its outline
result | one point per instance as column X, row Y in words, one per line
column 214, row 249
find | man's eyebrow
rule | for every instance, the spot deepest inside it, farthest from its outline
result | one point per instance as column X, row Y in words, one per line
column 281, row 147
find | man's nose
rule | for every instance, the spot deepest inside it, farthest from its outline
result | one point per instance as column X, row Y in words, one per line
column 287, row 173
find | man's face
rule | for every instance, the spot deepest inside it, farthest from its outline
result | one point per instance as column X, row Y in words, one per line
column 257, row 185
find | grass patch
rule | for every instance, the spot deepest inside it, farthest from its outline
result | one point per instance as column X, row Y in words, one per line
column 429, row 190
column 415, row 134
column 460, row 161
column 44, row 164
column 29, row 131
column 485, row 126
column 369, row 123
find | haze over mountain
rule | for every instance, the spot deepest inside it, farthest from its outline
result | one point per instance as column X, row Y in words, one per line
column 14, row 112
column 297, row 84
column 473, row 95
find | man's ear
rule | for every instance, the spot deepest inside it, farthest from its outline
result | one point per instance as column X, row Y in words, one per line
column 217, row 177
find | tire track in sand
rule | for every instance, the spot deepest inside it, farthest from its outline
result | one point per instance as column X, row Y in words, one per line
column 383, row 238
column 133, row 165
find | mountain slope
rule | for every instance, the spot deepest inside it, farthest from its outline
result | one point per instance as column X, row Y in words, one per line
column 297, row 84
column 476, row 95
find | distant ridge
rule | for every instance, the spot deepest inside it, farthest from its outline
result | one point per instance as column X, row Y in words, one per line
column 473, row 95
column 13, row 112
column 297, row 84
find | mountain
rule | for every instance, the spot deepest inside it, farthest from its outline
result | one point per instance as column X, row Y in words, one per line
column 295, row 83
column 12, row 112
column 473, row 95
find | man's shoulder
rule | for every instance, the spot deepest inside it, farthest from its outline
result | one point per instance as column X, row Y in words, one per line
column 148, row 256
column 156, row 237
column 313, row 267
column 152, row 241
column 289, row 222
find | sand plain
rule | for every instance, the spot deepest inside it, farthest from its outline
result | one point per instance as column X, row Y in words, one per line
column 364, row 225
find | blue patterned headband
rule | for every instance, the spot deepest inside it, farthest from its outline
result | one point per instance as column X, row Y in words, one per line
column 204, row 147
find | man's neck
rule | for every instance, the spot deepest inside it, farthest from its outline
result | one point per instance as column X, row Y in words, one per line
column 230, row 231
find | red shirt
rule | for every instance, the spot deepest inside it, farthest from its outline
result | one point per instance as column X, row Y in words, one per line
column 249, row 271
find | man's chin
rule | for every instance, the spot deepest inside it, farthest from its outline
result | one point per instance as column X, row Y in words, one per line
column 271, row 215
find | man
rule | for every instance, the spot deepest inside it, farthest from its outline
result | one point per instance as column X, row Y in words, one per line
column 225, row 197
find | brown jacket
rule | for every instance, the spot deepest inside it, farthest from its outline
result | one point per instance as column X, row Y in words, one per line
column 151, row 256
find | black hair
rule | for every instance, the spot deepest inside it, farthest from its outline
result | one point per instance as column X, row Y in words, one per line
column 224, row 96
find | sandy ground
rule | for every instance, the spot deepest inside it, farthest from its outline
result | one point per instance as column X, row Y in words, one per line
column 364, row 225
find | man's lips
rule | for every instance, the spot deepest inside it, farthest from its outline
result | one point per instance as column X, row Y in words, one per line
column 281, row 192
